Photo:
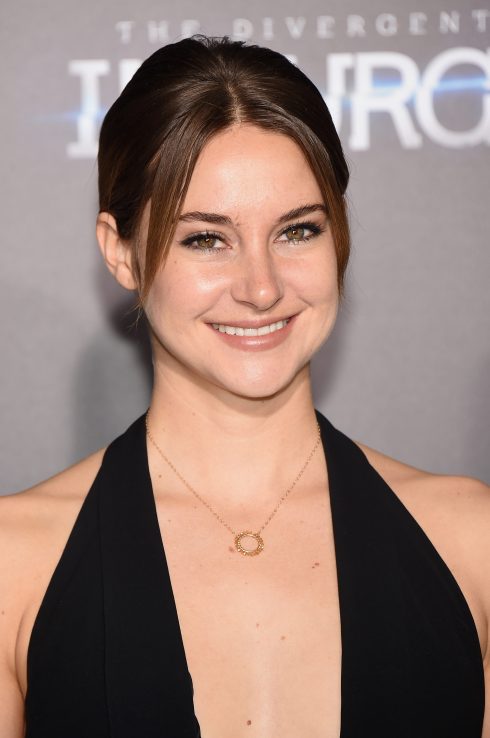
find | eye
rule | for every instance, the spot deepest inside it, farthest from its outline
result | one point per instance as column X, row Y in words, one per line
column 301, row 232
column 202, row 241
column 205, row 242
column 296, row 233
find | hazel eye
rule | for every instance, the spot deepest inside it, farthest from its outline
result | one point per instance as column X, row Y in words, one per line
column 206, row 241
column 296, row 233
column 300, row 232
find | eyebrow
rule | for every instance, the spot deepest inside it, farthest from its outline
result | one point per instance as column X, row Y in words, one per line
column 225, row 220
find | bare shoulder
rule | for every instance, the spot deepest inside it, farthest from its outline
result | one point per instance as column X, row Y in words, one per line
column 459, row 494
column 26, row 515
column 454, row 511
column 31, row 518
column 34, row 527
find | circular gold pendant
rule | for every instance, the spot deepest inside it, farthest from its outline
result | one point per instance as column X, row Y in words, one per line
column 247, row 551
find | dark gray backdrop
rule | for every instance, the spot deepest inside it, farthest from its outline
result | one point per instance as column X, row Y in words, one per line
column 407, row 367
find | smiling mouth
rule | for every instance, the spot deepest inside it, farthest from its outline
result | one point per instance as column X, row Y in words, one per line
column 234, row 330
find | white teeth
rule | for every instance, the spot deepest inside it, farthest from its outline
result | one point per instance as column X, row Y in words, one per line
column 232, row 330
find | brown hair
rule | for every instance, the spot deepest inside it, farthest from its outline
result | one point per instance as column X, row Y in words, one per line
column 178, row 99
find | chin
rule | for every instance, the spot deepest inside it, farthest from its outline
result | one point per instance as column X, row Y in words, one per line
column 260, row 388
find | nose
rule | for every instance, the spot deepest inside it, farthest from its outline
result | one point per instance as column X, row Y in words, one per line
column 257, row 281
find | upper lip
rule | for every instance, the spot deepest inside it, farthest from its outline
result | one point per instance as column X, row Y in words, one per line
column 251, row 323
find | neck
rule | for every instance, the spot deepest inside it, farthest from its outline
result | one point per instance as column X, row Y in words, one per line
column 245, row 450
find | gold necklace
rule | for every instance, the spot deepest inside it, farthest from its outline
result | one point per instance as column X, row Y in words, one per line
column 238, row 537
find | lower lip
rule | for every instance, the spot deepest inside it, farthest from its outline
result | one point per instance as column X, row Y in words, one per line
column 256, row 343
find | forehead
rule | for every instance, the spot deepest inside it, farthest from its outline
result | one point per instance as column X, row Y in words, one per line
column 248, row 167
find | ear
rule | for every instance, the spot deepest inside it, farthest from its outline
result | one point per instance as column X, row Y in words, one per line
column 116, row 252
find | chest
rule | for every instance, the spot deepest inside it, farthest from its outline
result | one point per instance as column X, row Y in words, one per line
column 261, row 634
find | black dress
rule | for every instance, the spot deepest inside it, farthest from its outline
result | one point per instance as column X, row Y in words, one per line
column 106, row 657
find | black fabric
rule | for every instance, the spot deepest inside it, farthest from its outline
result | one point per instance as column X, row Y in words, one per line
column 106, row 658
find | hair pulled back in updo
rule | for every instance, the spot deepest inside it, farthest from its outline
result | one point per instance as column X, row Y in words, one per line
column 179, row 98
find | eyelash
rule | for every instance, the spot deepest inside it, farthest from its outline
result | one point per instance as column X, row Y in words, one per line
column 190, row 240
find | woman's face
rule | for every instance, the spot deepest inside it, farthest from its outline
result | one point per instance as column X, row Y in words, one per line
column 248, row 292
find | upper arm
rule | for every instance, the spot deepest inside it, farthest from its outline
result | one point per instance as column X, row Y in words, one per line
column 455, row 513
column 466, row 502
column 11, row 698
column 482, row 544
column 34, row 527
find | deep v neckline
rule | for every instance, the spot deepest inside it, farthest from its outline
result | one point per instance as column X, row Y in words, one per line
column 404, row 619
column 106, row 656
column 149, row 492
column 155, row 587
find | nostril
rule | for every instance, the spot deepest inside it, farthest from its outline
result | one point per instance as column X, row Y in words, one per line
column 261, row 290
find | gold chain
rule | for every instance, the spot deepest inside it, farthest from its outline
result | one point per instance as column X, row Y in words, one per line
column 244, row 534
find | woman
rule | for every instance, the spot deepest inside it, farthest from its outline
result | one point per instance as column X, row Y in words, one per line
column 233, row 564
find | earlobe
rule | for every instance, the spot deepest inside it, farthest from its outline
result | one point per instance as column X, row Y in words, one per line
column 116, row 252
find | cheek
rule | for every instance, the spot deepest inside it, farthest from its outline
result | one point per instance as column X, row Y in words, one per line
column 162, row 299
column 317, row 279
column 180, row 292
column 328, row 276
